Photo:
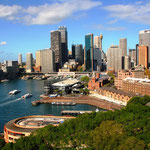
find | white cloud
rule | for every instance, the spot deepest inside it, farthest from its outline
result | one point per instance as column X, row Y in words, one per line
column 108, row 28
column 3, row 43
column 8, row 11
column 112, row 21
column 48, row 13
column 138, row 12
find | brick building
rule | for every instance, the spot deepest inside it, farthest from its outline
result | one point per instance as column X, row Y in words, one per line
column 95, row 83
column 122, row 74
column 136, row 85
column 116, row 96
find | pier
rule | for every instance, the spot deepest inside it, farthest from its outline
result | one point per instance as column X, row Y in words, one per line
column 80, row 100
column 74, row 112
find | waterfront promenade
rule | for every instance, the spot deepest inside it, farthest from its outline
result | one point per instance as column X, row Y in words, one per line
column 81, row 100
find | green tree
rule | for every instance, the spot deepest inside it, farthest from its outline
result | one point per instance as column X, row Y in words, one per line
column 107, row 136
column 2, row 143
column 132, row 143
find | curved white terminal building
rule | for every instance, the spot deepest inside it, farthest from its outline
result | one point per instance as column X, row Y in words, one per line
column 20, row 127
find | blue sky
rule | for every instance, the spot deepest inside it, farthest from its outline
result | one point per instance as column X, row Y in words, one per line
column 25, row 25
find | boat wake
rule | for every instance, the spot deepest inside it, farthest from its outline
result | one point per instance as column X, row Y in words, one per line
column 9, row 102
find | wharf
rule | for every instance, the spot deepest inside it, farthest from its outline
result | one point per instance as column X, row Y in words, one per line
column 80, row 100
column 74, row 112
column 64, row 103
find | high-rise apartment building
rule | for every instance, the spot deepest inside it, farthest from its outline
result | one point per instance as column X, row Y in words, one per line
column 89, row 57
column 114, row 58
column 64, row 43
column 56, row 47
column 29, row 62
column 20, row 59
column 143, row 56
column 123, row 46
column 79, row 54
column 144, row 39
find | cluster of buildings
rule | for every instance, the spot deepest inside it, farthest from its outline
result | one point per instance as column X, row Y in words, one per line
column 117, row 58
column 58, row 58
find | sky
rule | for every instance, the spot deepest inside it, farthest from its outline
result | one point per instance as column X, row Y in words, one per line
column 25, row 25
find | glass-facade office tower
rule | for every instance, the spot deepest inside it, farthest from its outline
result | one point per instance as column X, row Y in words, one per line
column 56, row 47
column 79, row 54
column 89, row 52
column 64, row 43
column 73, row 51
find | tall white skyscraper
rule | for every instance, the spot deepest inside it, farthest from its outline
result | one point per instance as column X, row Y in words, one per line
column 20, row 59
column 114, row 58
column 29, row 63
column 123, row 46
column 98, row 41
column 46, row 60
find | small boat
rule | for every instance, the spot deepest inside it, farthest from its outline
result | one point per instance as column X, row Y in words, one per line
column 14, row 92
column 26, row 96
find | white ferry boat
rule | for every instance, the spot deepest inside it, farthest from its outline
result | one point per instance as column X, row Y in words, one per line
column 14, row 92
column 26, row 96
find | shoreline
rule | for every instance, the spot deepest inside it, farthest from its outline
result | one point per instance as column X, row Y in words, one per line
column 80, row 100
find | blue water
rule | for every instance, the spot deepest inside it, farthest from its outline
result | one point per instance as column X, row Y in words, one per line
column 12, row 107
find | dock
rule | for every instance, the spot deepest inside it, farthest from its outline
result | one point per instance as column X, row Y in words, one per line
column 74, row 112
column 80, row 100
column 63, row 103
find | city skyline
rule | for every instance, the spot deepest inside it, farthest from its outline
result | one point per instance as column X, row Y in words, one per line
column 26, row 26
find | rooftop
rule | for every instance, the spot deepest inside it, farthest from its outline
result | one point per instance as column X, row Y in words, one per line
column 140, row 80
column 31, row 123
column 118, row 91
column 68, row 82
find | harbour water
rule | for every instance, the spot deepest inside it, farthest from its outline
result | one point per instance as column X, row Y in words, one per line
column 12, row 106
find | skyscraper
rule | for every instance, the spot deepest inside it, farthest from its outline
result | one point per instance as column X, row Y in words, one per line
column 123, row 46
column 29, row 62
column 98, row 41
column 114, row 58
column 137, row 54
column 97, row 59
column 64, row 43
column 46, row 59
column 20, row 59
column 126, row 62
column 73, row 51
column 79, row 54
column 89, row 60
column 132, row 54
column 143, row 56
column 144, row 39
column 56, row 47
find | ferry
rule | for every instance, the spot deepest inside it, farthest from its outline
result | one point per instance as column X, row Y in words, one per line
column 14, row 92
column 26, row 96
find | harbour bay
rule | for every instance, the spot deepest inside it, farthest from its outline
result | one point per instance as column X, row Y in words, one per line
column 12, row 106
